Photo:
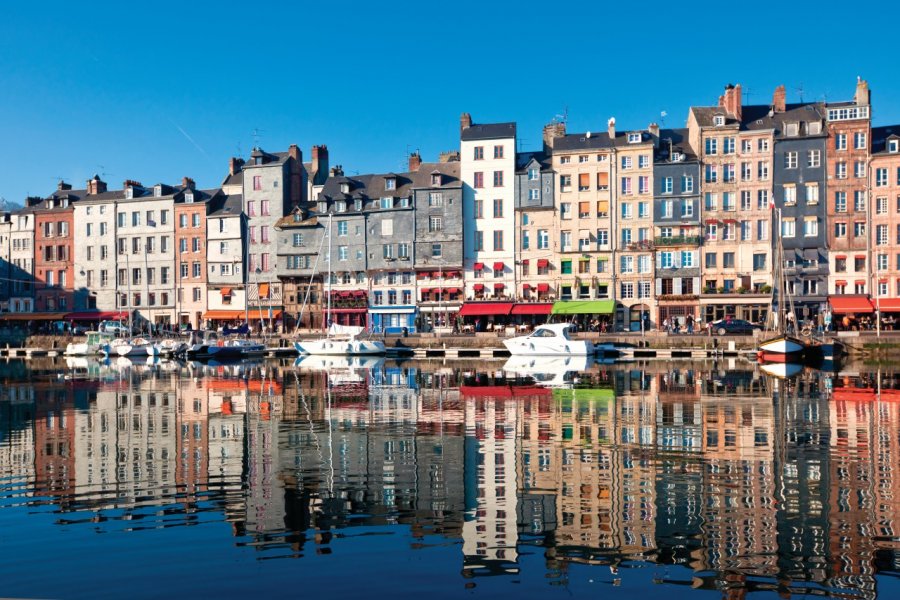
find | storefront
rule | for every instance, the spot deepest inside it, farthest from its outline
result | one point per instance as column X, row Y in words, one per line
column 587, row 315
column 851, row 312
column 393, row 320
column 748, row 307
column 677, row 310
column 440, row 316
column 528, row 315
column 484, row 316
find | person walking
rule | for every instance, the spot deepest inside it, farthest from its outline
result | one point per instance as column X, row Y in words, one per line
column 689, row 322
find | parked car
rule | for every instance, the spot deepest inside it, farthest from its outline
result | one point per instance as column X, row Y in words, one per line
column 115, row 328
column 734, row 326
column 80, row 329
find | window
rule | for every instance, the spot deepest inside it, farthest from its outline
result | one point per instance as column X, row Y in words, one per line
column 711, row 174
column 859, row 264
column 265, row 262
column 762, row 145
column 626, row 185
column 893, row 146
column 627, row 290
column 341, row 229
column 712, row 232
column 565, row 210
column 762, row 199
column 498, row 178
column 840, row 141
column 436, row 250
column 498, row 209
column 565, row 240
column 840, row 202
column 534, row 194
column 543, row 239
column 343, row 253
column 881, row 178
column 840, row 230
column 814, row 158
column 859, row 229
column 257, row 182
column 498, row 240
column 643, row 210
column 687, row 209
column 728, row 145
column 565, row 182
column 762, row 230
column 762, row 170
column 478, row 180
column 859, row 201
column 810, row 227
column 498, row 151
column 390, row 183
column 759, row 262
column 643, row 184
column 533, row 174
column 728, row 260
column 728, row 172
column 478, row 153
column 479, row 241
column 746, row 171
column 790, row 194
column 182, row 220
column 627, row 211
column 478, row 208
column 626, row 264
column 712, row 145
column 564, row 160
column 812, row 193
column 387, row 251
column 634, row 138
column 667, row 206
column 665, row 260
column 790, row 160
column 435, row 224
column 135, row 219
column 859, row 140
column 387, row 202
column 687, row 184
column 881, row 206
column 728, row 201
column 667, row 185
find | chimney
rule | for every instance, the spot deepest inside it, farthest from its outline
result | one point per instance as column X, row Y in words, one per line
column 778, row 99
column 731, row 101
column 95, row 186
column 449, row 156
column 336, row 171
column 131, row 183
column 465, row 121
column 62, row 186
column 234, row 165
column 861, row 98
column 611, row 128
column 319, row 164
column 415, row 161
column 653, row 128
column 552, row 131
column 297, row 190
column 187, row 182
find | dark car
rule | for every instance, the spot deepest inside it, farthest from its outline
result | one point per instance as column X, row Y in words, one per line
column 734, row 326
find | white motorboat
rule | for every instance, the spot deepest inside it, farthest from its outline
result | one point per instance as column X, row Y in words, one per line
column 247, row 348
column 549, row 371
column 341, row 370
column 210, row 345
column 341, row 340
column 136, row 347
column 171, row 347
column 548, row 340
column 94, row 345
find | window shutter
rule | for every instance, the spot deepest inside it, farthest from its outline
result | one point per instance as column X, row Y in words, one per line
column 676, row 286
column 584, row 180
column 658, row 286
column 584, row 207
column 602, row 206
column 602, row 180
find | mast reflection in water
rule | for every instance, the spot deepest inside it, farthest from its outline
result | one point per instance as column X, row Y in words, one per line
column 420, row 478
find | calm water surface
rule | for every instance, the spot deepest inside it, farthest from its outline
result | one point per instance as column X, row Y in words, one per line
column 451, row 480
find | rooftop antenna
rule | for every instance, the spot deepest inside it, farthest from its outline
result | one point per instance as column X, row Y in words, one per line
column 799, row 89
column 256, row 133
column 239, row 150
column 747, row 92
column 103, row 174
column 662, row 118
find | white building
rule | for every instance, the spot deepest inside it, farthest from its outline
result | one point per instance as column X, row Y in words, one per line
column 95, row 244
column 21, row 260
column 225, row 258
column 488, row 168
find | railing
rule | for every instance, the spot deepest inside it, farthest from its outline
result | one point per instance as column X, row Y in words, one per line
column 641, row 245
column 694, row 240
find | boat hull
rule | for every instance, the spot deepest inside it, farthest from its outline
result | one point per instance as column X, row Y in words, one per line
column 329, row 347
column 529, row 346
column 782, row 345
column 780, row 357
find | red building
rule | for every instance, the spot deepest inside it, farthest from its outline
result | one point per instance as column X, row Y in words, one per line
column 54, row 267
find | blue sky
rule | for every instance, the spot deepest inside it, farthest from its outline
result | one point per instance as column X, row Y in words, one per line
column 156, row 91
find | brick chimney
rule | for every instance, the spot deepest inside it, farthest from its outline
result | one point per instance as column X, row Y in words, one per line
column 95, row 186
column 449, row 156
column 298, row 190
column 319, row 169
column 862, row 97
column 336, row 171
column 62, row 186
column 611, row 128
column 131, row 183
column 653, row 128
column 465, row 121
column 415, row 161
column 552, row 131
column 731, row 101
column 779, row 103
column 187, row 182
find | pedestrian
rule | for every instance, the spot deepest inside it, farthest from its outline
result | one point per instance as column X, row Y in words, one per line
column 690, row 324
column 665, row 324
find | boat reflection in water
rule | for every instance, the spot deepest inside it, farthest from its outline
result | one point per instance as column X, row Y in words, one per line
column 549, row 371
column 703, row 474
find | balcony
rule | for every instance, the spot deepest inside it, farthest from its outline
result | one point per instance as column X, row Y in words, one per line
column 679, row 240
column 641, row 245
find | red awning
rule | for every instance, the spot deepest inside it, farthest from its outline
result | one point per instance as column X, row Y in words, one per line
column 532, row 308
column 888, row 304
column 729, row 220
column 436, row 275
column 543, row 287
column 860, row 282
column 103, row 315
column 525, row 261
column 425, row 290
column 452, row 290
column 478, row 267
column 224, row 315
column 478, row 309
column 345, row 294
column 841, row 257
column 359, row 293
column 499, row 286
column 526, row 286
column 498, row 266
column 478, row 287
column 850, row 304
column 860, row 256
column 264, row 290
column 422, row 275
column 225, row 291
column 712, row 221
column 543, row 262
column 262, row 313
column 840, row 282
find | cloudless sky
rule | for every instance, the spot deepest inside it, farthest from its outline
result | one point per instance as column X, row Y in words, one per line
column 154, row 91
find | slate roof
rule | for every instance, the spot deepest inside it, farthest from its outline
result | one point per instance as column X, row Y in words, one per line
column 680, row 144
column 371, row 187
column 759, row 117
column 523, row 159
column 597, row 141
column 488, row 131
column 229, row 205
column 880, row 137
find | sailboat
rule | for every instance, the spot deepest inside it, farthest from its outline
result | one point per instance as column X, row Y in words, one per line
column 782, row 348
column 339, row 339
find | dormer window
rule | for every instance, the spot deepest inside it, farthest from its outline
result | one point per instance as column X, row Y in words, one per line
column 323, row 206
column 719, row 120
column 792, row 129
column 157, row 190
column 390, row 183
column 345, row 187
column 893, row 146
column 257, row 160
column 814, row 127
column 404, row 202
column 387, row 202
column 64, row 203
column 189, row 197
column 48, row 204
column 357, row 204
column 634, row 138
column 129, row 193
column 435, row 179
column 297, row 217
column 340, row 207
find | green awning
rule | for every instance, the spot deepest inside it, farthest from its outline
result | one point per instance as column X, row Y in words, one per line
column 584, row 307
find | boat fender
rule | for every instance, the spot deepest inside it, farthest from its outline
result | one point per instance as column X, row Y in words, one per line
column 220, row 343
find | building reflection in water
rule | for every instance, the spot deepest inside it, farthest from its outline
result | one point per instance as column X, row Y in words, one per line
column 750, row 482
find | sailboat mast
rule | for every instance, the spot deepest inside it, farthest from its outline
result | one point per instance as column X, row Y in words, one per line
column 328, row 260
